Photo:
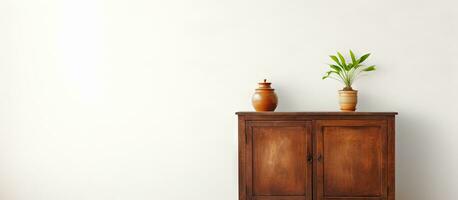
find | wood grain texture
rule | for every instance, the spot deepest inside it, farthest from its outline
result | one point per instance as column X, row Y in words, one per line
column 242, row 159
column 391, row 157
column 352, row 161
column 353, row 156
column 279, row 162
column 279, row 167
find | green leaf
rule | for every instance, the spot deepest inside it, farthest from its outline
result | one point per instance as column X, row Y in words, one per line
column 335, row 59
column 370, row 68
column 353, row 59
column 327, row 75
column 342, row 60
column 335, row 67
column 363, row 58
column 350, row 65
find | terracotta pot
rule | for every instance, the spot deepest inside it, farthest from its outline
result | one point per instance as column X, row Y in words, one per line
column 264, row 99
column 348, row 100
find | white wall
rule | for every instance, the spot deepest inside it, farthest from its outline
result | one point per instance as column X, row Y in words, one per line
column 135, row 99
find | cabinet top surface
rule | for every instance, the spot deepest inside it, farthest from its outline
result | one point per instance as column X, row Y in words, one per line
column 315, row 113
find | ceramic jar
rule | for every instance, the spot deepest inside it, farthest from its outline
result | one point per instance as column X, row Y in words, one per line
column 264, row 99
column 348, row 100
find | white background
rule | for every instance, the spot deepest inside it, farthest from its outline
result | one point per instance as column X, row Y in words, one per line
column 135, row 99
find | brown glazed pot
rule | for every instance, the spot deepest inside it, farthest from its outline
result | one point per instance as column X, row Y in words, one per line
column 264, row 99
column 348, row 100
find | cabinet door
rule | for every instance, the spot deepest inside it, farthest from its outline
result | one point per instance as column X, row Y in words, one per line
column 351, row 159
column 279, row 157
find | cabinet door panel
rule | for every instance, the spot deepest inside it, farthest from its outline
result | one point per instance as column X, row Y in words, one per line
column 352, row 159
column 278, row 162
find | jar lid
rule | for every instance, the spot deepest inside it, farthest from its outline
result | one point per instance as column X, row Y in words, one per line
column 264, row 85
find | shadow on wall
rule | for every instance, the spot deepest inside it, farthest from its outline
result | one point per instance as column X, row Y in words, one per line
column 414, row 160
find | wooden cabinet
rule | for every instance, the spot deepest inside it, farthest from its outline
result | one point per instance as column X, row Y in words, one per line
column 319, row 155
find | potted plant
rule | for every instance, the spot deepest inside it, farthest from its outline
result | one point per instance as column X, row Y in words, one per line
column 348, row 73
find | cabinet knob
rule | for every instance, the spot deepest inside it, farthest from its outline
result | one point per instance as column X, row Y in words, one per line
column 319, row 158
column 309, row 158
